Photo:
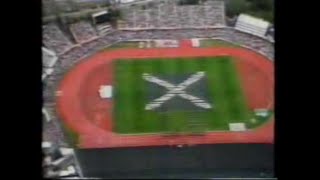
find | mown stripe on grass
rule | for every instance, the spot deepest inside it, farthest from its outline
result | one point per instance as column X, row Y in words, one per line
column 219, row 115
column 124, row 101
column 236, row 101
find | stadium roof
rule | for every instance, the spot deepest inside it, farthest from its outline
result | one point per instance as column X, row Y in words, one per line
column 126, row 1
column 253, row 21
column 99, row 13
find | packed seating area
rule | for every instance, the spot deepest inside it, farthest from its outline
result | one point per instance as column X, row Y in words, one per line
column 52, row 130
column 259, row 44
column 168, row 14
column 83, row 31
column 54, row 39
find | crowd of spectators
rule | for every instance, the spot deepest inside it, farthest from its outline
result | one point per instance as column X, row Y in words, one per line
column 168, row 14
column 83, row 31
column 259, row 44
column 54, row 39
column 52, row 130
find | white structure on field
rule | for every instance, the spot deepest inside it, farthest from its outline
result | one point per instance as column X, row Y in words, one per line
column 262, row 112
column 237, row 127
column 105, row 91
column 176, row 90
column 252, row 25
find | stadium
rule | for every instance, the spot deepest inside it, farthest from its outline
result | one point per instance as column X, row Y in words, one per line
column 168, row 75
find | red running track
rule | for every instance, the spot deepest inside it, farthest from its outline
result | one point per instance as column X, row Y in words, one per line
column 84, row 112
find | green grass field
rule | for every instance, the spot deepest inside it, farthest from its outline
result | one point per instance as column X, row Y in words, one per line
column 224, row 89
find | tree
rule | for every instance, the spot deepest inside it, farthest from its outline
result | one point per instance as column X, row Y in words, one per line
column 261, row 5
column 262, row 9
column 266, row 15
column 52, row 7
column 114, row 13
column 235, row 7
column 73, row 5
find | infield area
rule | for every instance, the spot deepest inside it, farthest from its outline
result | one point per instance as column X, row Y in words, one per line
column 226, row 94
column 219, row 87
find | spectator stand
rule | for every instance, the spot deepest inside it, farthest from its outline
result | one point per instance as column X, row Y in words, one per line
column 49, row 59
column 260, row 44
column 168, row 14
column 83, row 32
column 252, row 25
column 240, row 44
column 54, row 39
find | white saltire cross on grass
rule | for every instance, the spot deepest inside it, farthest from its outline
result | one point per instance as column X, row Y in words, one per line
column 176, row 90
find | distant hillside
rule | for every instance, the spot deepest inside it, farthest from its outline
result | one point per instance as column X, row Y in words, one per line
column 260, row 8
